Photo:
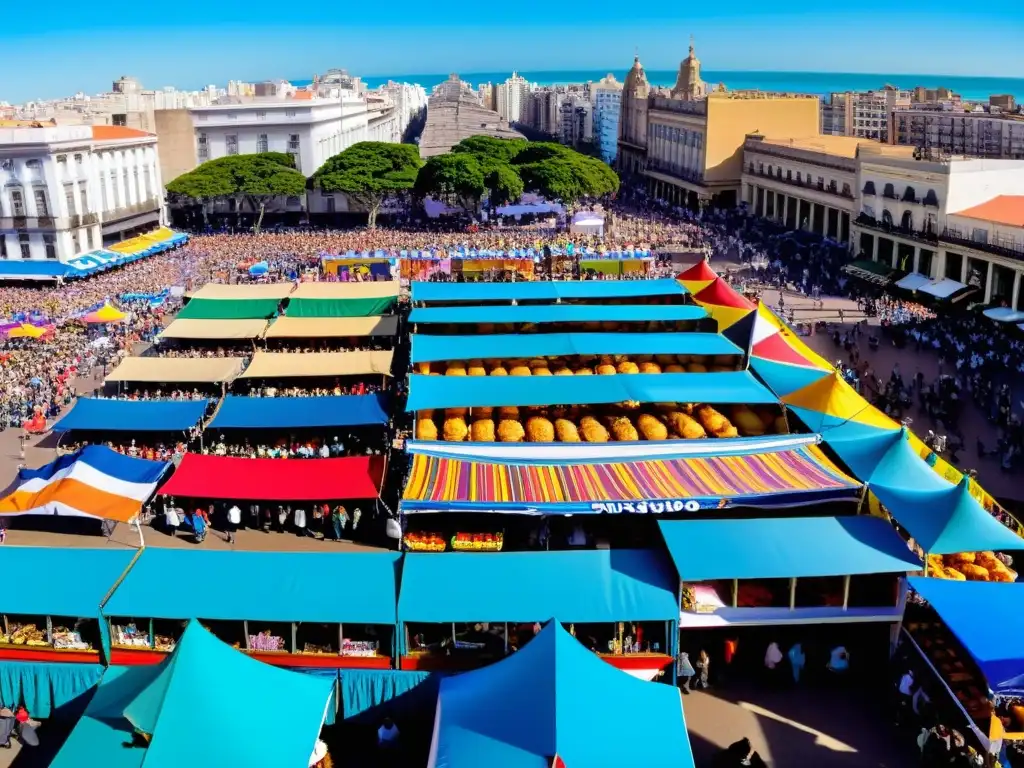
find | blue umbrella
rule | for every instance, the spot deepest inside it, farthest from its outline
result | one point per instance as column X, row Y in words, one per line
column 259, row 269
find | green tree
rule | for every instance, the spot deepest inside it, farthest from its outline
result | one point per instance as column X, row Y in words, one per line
column 453, row 178
column 255, row 179
column 503, row 185
column 559, row 173
column 369, row 172
column 503, row 150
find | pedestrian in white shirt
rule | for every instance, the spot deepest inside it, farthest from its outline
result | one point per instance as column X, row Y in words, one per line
column 171, row 518
column 234, row 520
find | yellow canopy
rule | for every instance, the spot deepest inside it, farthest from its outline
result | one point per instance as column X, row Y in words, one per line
column 214, row 329
column 833, row 396
column 374, row 289
column 254, row 291
column 105, row 314
column 272, row 365
column 696, row 286
column 177, row 370
column 159, row 236
column 26, row 331
column 331, row 327
column 726, row 316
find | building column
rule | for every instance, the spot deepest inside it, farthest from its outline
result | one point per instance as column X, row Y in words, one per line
column 988, row 281
column 874, row 247
column 1016, row 289
column 917, row 258
column 785, row 209
column 963, row 268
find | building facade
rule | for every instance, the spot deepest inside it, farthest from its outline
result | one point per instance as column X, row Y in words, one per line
column 68, row 190
column 511, row 98
column 939, row 131
column 310, row 130
column 607, row 97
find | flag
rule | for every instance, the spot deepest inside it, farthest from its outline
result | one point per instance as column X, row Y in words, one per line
column 94, row 481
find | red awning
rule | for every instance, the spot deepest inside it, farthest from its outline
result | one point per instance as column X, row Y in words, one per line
column 698, row 272
column 227, row 477
column 720, row 293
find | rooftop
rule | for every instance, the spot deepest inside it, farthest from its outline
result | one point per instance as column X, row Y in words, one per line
column 1002, row 209
column 848, row 147
column 118, row 132
column 449, row 122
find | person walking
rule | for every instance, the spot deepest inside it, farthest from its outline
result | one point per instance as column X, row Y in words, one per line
column 234, row 520
column 684, row 671
column 704, row 668
column 797, row 661
column 171, row 518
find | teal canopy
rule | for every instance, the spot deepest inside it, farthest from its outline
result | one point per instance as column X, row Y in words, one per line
column 45, row 686
column 283, row 595
column 54, row 591
column 733, row 387
column 559, row 313
column 545, row 290
column 237, row 697
column 785, row 378
column 581, row 586
column 786, row 547
column 434, row 348
column 554, row 697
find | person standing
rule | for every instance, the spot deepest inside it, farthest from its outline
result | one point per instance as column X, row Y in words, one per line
column 684, row 671
column 171, row 519
column 234, row 520
column 338, row 519
column 797, row 661
column 704, row 668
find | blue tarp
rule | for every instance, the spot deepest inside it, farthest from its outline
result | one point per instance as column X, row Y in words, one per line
column 947, row 521
column 554, row 697
column 777, row 548
column 376, row 693
column 238, row 412
column 64, row 582
column 283, row 591
column 887, row 459
column 559, row 313
column 835, row 427
column 544, row 290
column 99, row 738
column 31, row 269
column 434, row 348
column 473, row 391
column 101, row 414
column 580, row 586
column 45, row 686
column 204, row 674
column 988, row 620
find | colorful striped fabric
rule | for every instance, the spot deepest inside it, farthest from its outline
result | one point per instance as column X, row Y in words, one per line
column 92, row 482
column 726, row 479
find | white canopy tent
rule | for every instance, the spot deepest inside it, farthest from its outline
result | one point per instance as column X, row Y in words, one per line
column 942, row 289
column 587, row 223
column 1004, row 315
column 913, row 282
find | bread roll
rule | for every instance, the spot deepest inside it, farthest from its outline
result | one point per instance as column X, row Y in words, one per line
column 780, row 426
column 520, row 370
column 710, row 419
column 508, row 412
column 606, row 369
column 686, row 426
column 649, row 367
column 593, row 431
column 423, row 369
column 746, row 421
column 455, row 430
column 563, row 371
column 651, row 427
column 510, row 431
column 456, row 368
column 539, row 430
column 665, row 359
column 623, row 429
column 482, row 431
column 627, row 366
column 682, row 359
column 499, row 370
column 482, row 412
column 541, row 371
column 476, row 369
column 584, row 371
column 696, row 368
column 566, row 431
column 674, row 369
column 426, row 429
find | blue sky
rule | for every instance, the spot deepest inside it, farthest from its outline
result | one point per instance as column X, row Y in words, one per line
column 68, row 46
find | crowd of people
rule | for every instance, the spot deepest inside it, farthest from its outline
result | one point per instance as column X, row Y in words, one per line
column 338, row 388
column 294, row 447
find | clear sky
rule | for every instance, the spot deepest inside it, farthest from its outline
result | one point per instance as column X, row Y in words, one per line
column 57, row 48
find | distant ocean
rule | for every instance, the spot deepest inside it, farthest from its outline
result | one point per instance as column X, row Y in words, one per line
column 818, row 83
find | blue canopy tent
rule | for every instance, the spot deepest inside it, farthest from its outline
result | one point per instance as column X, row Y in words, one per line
column 435, row 348
column 259, row 268
column 542, row 290
column 559, row 313
column 45, row 686
column 205, row 675
column 785, row 378
column 477, row 391
column 776, row 548
column 237, row 412
column 988, row 620
column 555, row 698
column 32, row 269
column 90, row 413
column 884, row 458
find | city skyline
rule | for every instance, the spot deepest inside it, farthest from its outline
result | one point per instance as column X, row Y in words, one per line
column 68, row 53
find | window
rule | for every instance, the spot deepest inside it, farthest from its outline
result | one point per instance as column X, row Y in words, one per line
column 62, row 159
column 262, row 144
column 231, row 142
column 50, row 243
column 979, row 235
column 289, row 113
column 846, row 190
column 293, row 202
column 90, row 238
column 34, row 165
column 17, row 202
column 202, row 117
column 69, row 195
column 232, row 115
column 261, row 115
column 204, row 148
column 26, row 251
column 330, row 204
column 799, row 177
column 78, row 159
column 789, row 175
column 3, row 247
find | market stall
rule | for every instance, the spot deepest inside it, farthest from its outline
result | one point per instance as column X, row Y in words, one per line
column 237, row 412
column 149, row 716
column 287, row 327
column 788, row 570
column 230, row 309
column 559, row 706
column 213, row 330
column 352, row 299
column 244, row 292
column 623, row 318
column 544, row 291
column 622, row 604
column 90, row 414
column 166, row 370
column 284, row 618
column 279, row 365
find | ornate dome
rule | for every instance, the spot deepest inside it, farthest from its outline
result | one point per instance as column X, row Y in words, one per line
column 636, row 78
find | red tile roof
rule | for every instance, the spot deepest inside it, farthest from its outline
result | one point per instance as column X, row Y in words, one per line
column 117, row 132
column 1004, row 209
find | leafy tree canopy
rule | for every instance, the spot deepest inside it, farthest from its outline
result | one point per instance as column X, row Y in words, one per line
column 455, row 178
column 369, row 172
column 491, row 147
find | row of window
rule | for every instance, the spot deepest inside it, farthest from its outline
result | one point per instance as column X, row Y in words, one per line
column 259, row 113
column 808, row 180
column 909, row 194
column 262, row 145
column 24, row 244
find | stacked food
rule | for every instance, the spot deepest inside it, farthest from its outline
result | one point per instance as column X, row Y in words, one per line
column 583, row 365
column 69, row 640
column 972, row 566
column 621, row 422
column 424, row 542
column 478, row 542
column 24, row 634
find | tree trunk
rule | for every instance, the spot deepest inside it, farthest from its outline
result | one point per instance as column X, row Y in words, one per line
column 259, row 220
column 206, row 215
column 371, row 221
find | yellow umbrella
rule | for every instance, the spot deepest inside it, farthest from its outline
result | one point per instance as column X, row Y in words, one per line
column 105, row 314
column 26, row 331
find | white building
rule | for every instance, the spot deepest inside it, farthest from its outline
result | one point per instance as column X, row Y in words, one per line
column 576, row 119
column 410, row 101
column 68, row 190
column 511, row 98
column 863, row 114
column 952, row 130
column 311, row 129
column 607, row 96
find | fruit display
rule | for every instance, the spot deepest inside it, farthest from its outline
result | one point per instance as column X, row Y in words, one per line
column 972, row 566
column 267, row 642
column 65, row 638
column 424, row 542
column 360, row 648
column 627, row 421
column 25, row 634
column 583, row 365
column 478, row 542
column 129, row 636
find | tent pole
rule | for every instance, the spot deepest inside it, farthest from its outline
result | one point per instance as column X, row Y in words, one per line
column 846, row 592
column 862, row 500
column 138, row 525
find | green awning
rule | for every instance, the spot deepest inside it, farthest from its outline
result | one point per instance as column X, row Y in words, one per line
column 229, row 309
column 361, row 307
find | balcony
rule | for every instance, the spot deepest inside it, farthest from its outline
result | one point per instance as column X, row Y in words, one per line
column 674, row 170
column 27, row 223
column 830, row 189
column 126, row 212
column 962, row 239
column 926, row 236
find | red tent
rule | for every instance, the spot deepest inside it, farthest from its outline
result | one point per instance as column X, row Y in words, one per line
column 721, row 294
column 698, row 272
column 229, row 477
